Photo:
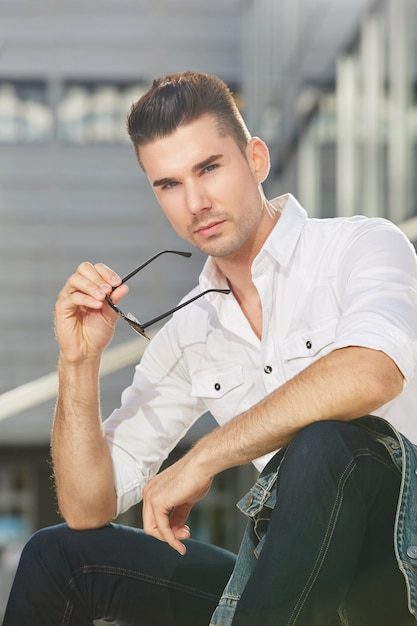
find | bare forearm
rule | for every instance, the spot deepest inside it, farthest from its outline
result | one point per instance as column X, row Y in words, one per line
column 345, row 385
column 82, row 463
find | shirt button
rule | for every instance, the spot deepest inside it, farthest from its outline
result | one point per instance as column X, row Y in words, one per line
column 217, row 386
column 267, row 369
column 309, row 345
column 412, row 552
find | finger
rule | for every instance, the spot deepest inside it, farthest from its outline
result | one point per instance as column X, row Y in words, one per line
column 107, row 274
column 88, row 288
column 119, row 293
column 179, row 516
column 167, row 533
column 181, row 532
column 99, row 275
column 157, row 525
column 112, row 284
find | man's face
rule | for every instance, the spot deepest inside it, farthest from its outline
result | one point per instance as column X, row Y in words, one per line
column 206, row 187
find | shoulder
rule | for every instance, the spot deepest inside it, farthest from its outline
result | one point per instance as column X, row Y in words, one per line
column 360, row 234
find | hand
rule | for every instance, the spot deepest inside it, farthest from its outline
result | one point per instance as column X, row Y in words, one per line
column 168, row 499
column 84, row 323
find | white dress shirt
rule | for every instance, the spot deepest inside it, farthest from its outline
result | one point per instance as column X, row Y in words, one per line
column 324, row 284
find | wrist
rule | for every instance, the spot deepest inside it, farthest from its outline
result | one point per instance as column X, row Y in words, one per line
column 79, row 386
column 209, row 455
column 80, row 372
column 66, row 362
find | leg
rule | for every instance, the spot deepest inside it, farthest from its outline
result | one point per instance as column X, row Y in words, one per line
column 70, row 578
column 325, row 540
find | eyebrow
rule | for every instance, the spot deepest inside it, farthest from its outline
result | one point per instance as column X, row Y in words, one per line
column 198, row 166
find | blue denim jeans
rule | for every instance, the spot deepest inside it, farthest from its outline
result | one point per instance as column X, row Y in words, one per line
column 319, row 545
column 117, row 573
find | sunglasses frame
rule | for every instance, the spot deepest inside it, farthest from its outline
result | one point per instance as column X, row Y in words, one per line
column 131, row 320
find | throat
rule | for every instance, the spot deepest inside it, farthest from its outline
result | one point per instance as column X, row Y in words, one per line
column 251, row 307
column 255, row 322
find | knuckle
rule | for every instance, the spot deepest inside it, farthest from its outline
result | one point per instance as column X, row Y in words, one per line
column 102, row 269
column 84, row 267
column 61, row 295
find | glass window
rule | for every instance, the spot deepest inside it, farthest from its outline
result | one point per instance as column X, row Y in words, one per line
column 16, row 503
column 95, row 113
column 25, row 116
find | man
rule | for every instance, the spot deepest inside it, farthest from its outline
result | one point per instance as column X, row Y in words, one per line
column 319, row 331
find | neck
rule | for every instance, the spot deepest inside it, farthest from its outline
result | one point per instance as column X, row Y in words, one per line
column 237, row 267
column 239, row 277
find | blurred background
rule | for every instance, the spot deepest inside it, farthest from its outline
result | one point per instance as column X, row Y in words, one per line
column 330, row 85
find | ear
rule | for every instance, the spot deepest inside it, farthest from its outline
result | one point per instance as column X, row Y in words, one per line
column 257, row 154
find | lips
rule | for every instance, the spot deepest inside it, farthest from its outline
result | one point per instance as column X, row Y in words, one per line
column 208, row 230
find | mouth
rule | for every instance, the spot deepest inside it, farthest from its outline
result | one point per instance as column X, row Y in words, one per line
column 208, row 230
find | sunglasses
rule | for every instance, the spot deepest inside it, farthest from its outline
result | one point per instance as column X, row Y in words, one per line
column 131, row 319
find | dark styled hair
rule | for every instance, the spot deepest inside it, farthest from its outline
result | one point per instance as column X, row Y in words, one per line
column 178, row 99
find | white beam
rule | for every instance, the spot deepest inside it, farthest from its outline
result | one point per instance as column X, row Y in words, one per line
column 45, row 388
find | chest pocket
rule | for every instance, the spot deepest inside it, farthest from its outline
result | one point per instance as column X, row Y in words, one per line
column 310, row 343
column 216, row 382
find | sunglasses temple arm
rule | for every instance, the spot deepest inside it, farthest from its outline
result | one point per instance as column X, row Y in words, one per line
column 155, row 256
column 180, row 306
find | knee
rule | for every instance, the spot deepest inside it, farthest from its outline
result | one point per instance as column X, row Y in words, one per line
column 326, row 440
column 44, row 543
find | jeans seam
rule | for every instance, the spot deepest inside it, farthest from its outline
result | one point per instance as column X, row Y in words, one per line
column 330, row 529
column 117, row 571
column 67, row 613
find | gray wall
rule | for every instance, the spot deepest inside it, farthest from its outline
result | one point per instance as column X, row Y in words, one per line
column 61, row 203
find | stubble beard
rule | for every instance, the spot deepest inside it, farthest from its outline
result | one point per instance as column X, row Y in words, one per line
column 221, row 245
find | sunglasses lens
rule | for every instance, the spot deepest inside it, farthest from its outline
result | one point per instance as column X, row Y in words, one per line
column 130, row 317
column 136, row 327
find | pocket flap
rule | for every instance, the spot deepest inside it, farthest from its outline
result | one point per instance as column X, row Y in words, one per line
column 311, row 340
column 216, row 382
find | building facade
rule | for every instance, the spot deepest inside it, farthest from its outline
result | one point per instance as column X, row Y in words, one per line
column 330, row 86
column 336, row 98
column 71, row 190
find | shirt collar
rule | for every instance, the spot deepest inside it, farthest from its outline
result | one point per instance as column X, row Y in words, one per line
column 280, row 244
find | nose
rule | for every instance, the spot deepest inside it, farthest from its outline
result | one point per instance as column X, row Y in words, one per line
column 196, row 198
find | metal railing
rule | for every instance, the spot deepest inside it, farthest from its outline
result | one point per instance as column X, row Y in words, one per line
column 45, row 388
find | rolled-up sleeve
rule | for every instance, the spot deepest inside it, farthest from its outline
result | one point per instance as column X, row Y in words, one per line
column 156, row 411
column 378, row 291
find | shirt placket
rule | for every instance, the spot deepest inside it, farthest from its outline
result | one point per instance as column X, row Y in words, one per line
column 270, row 363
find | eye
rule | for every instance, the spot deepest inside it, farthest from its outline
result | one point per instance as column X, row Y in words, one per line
column 211, row 167
column 170, row 185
